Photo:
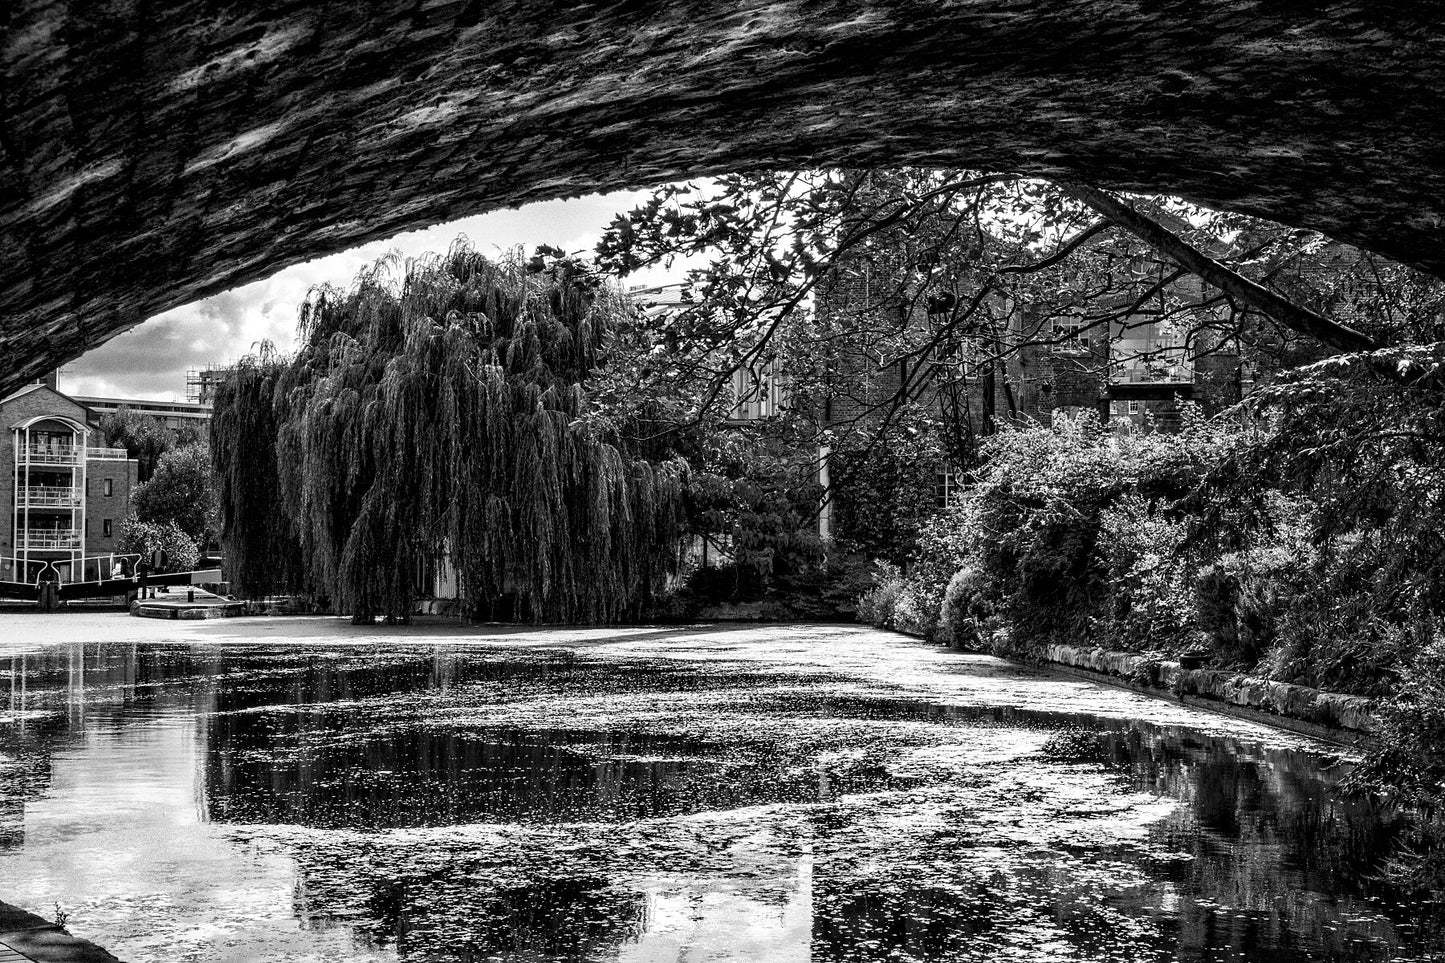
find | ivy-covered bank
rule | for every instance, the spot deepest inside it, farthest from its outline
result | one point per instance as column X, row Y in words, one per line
column 1287, row 582
column 1291, row 558
column 1170, row 544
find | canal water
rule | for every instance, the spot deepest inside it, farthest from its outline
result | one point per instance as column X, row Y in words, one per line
column 767, row 794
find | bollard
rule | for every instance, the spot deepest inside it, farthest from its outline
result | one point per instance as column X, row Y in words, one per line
column 190, row 595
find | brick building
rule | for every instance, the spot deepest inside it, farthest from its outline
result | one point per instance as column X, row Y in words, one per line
column 184, row 419
column 1017, row 363
column 64, row 495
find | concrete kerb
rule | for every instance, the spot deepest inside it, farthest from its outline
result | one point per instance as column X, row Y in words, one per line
column 31, row 937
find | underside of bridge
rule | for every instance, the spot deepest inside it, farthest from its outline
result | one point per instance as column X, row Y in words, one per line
column 153, row 152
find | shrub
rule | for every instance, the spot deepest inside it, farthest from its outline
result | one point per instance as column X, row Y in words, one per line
column 144, row 538
column 714, row 584
column 1149, row 580
column 1069, row 534
column 943, row 548
column 963, row 618
column 1073, row 536
column 1242, row 599
column 1406, row 765
column 878, row 605
column 911, row 615
column 1347, row 626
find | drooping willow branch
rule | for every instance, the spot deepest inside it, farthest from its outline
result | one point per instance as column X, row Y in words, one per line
column 442, row 418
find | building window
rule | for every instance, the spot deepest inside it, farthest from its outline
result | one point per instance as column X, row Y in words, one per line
column 1071, row 337
column 758, row 392
column 947, row 489
column 1135, row 407
column 107, row 488
column 105, row 525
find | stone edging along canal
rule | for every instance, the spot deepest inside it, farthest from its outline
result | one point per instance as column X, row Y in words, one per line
column 1312, row 712
column 25, row 936
column 1332, row 716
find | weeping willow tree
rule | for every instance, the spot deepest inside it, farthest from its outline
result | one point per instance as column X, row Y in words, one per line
column 437, row 408
column 262, row 553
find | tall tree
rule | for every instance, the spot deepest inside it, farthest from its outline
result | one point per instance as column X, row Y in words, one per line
column 437, row 408
column 182, row 489
column 142, row 436
column 262, row 550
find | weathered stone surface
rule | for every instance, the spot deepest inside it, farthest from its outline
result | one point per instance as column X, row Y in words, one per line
column 154, row 153
column 38, row 939
column 1282, row 698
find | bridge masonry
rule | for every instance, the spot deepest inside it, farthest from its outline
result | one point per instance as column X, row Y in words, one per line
column 155, row 153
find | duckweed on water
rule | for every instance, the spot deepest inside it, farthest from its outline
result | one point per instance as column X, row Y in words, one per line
column 768, row 794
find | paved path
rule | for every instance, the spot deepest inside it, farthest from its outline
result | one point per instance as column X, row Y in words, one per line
column 27, row 938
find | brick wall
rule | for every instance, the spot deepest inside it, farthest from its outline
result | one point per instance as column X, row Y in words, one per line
column 121, row 473
column 48, row 402
column 1046, row 379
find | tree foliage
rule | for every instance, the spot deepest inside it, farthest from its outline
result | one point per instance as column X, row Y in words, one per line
column 145, row 538
column 143, row 437
column 439, row 407
column 758, row 504
column 181, row 490
column 833, row 276
column 262, row 550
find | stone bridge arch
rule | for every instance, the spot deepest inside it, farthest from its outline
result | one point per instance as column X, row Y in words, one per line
column 155, row 153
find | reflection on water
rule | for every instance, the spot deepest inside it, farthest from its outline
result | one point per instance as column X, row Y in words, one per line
column 833, row 796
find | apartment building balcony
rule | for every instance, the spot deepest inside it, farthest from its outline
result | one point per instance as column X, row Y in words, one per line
column 49, row 540
column 68, row 454
column 1151, row 382
column 1178, row 373
column 51, row 454
column 49, row 496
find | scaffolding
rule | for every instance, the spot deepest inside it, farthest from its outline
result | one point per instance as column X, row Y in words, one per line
column 201, row 383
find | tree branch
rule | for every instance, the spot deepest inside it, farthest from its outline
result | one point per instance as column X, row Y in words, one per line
column 1064, row 250
column 1281, row 309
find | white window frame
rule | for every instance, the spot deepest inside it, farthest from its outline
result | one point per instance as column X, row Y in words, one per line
column 1069, row 337
column 947, row 488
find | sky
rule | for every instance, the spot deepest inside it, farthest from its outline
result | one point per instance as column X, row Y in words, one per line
column 150, row 361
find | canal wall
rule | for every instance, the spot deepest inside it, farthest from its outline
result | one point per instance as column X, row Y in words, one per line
column 1315, row 712
column 1287, row 703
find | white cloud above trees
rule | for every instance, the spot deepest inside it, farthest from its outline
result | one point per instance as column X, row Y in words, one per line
column 151, row 360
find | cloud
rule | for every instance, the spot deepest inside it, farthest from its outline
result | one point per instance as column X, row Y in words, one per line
column 151, row 360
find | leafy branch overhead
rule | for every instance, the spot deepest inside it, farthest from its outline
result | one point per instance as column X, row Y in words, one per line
column 931, row 271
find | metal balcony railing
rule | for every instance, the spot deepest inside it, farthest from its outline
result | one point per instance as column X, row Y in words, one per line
column 118, row 453
column 49, row 496
column 49, row 540
column 52, row 454
column 1153, row 374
